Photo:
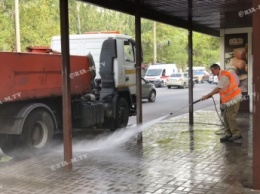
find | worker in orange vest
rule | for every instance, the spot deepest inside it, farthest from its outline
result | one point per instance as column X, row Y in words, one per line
column 230, row 97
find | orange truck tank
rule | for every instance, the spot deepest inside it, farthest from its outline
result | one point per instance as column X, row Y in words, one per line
column 39, row 76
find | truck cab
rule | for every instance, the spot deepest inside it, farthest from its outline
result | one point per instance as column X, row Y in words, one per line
column 115, row 73
column 123, row 62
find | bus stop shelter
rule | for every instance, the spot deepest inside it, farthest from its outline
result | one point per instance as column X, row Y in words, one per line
column 212, row 17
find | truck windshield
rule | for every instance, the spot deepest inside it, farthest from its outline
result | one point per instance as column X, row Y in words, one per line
column 153, row 72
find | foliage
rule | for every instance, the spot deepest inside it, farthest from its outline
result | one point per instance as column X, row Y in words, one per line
column 40, row 20
column 38, row 25
column 7, row 32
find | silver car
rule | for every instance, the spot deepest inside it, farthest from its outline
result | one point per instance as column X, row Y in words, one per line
column 181, row 80
column 148, row 91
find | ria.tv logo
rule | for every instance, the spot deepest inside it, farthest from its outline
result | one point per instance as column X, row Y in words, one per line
column 248, row 11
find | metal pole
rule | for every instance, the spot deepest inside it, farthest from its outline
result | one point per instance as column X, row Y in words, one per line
column 190, row 47
column 66, row 92
column 138, row 65
column 17, row 26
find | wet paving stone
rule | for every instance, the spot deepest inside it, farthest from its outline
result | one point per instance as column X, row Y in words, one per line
column 173, row 158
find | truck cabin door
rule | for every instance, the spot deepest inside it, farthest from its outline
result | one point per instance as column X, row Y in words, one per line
column 129, row 65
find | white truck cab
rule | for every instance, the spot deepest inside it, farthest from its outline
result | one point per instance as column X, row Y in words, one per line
column 90, row 43
column 114, row 84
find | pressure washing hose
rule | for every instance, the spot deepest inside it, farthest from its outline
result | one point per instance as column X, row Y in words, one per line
column 186, row 106
column 219, row 132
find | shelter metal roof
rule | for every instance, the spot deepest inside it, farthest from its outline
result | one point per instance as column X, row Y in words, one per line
column 209, row 16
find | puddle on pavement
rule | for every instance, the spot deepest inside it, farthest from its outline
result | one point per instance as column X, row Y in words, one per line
column 111, row 140
column 165, row 141
column 180, row 140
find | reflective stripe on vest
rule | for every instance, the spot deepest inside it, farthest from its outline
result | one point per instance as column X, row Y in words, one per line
column 231, row 91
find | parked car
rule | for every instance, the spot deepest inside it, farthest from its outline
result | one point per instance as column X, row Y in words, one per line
column 200, row 76
column 213, row 79
column 181, row 80
column 148, row 91
column 206, row 76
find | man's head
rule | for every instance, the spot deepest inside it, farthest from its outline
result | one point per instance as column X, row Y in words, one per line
column 215, row 69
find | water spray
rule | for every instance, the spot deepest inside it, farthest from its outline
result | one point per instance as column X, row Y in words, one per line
column 121, row 136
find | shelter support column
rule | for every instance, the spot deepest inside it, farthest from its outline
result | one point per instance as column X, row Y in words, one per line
column 138, row 62
column 138, row 66
column 66, row 91
column 256, row 89
column 190, row 59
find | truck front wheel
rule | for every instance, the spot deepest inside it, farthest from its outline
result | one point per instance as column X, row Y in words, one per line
column 122, row 113
column 152, row 96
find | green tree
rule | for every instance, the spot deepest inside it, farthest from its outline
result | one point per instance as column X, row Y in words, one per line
column 147, row 41
column 7, row 32
column 38, row 25
column 206, row 50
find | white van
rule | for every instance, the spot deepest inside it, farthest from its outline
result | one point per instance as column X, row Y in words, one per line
column 157, row 74
column 196, row 68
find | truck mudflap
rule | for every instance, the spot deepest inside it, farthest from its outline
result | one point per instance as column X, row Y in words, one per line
column 13, row 116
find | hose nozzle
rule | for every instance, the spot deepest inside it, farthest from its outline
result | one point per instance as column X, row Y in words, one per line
column 196, row 101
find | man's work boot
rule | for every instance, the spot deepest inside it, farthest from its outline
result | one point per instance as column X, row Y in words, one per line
column 225, row 139
column 234, row 138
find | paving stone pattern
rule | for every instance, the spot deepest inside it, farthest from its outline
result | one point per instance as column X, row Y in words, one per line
column 173, row 158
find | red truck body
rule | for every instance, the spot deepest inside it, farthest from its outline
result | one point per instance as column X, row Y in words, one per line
column 35, row 75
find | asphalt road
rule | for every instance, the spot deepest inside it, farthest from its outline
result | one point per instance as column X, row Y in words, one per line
column 175, row 101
